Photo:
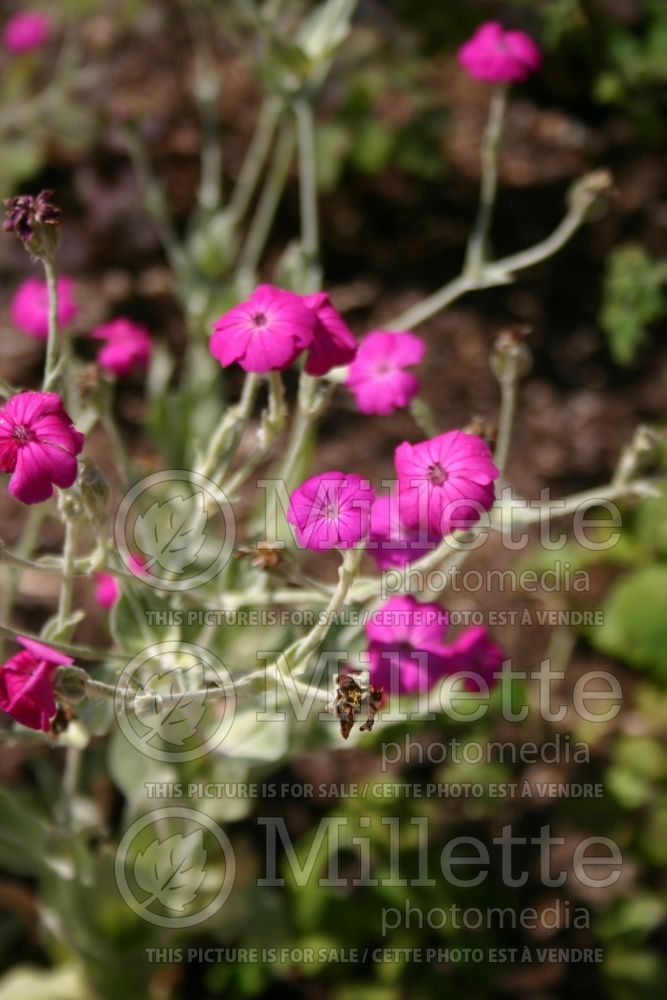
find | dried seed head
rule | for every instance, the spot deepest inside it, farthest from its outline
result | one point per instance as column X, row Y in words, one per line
column 36, row 221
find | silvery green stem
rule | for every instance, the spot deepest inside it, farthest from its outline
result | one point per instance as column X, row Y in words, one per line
column 346, row 575
column 491, row 144
column 310, row 234
column 6, row 390
column 67, row 581
column 153, row 704
column 26, row 545
column 502, row 271
column 272, row 423
column 432, row 304
column 508, row 394
column 310, row 403
column 267, row 206
column 227, row 437
column 589, row 498
column 255, row 158
column 51, row 364
column 155, row 202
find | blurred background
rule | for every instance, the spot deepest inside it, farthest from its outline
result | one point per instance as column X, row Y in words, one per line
column 112, row 101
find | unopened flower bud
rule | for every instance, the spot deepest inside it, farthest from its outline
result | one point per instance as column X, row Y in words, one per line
column 36, row 222
column 482, row 428
column 70, row 684
column 94, row 491
column 587, row 196
column 510, row 358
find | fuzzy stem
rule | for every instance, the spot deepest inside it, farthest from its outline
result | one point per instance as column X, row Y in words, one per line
column 273, row 421
column 310, row 234
column 267, row 206
column 498, row 272
column 508, row 394
column 255, row 158
column 67, row 582
column 227, row 438
column 346, row 574
column 491, row 144
column 51, row 364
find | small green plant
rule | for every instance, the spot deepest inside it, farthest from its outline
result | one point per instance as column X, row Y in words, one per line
column 633, row 297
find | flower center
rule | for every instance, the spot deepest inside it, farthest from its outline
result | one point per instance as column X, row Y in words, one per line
column 331, row 510
column 259, row 319
column 383, row 368
column 436, row 475
column 23, row 434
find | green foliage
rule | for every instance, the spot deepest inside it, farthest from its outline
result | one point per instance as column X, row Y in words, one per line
column 635, row 621
column 633, row 298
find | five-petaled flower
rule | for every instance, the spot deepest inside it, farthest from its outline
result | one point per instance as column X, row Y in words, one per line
column 127, row 346
column 38, row 445
column 265, row 333
column 25, row 31
column 26, row 684
column 377, row 376
column 30, row 306
column 333, row 343
column 499, row 56
column 331, row 511
column 445, row 483
column 407, row 645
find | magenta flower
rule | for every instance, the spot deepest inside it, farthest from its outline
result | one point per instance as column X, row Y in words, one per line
column 499, row 56
column 475, row 652
column 406, row 645
column 38, row 444
column 26, row 684
column 128, row 346
column 26, row 31
column 30, row 306
column 266, row 333
column 377, row 376
column 445, row 483
column 107, row 590
column 333, row 344
column 331, row 511
column 390, row 542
